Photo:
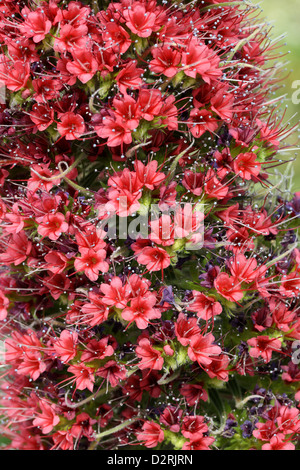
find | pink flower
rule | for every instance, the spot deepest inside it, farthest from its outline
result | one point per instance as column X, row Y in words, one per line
column 71, row 38
column 149, row 103
column 32, row 364
column 115, row 293
column 202, row 349
column 115, row 130
column 95, row 312
column 151, row 358
column 4, row 303
column 42, row 115
column 83, row 376
column 196, row 59
column 186, row 329
column 200, row 121
column 63, row 440
column 278, row 443
column 53, row 225
column 199, row 444
column 56, row 261
column 92, row 262
column 97, row 350
column 66, row 346
column 206, row 307
column 18, row 250
column 193, row 393
column 37, row 181
column 141, row 311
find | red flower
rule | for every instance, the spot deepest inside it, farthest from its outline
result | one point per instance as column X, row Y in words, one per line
column 18, row 249
column 37, row 181
column 42, row 116
column 95, row 312
column 129, row 77
column 71, row 38
column 245, row 165
column 56, row 261
column 115, row 130
column 218, row 368
column 112, row 372
column 127, row 112
column 186, row 329
column 193, row 393
column 166, row 60
column 63, row 440
column 151, row 434
column 162, row 231
column 32, row 364
column 116, row 37
column 72, row 126
column 193, row 182
column 97, row 350
column 263, row 346
column 200, row 121
column 36, row 24
column 148, row 174
column 228, row 287
column 171, row 417
column 290, row 284
column 196, row 58
column 115, row 293
column 84, row 65
column 14, row 74
column 149, row 103
column 140, row 21
column 46, row 89
column 193, row 427
column 4, row 303
column 278, row 443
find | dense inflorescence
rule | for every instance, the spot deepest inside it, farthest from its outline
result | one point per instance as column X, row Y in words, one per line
column 120, row 329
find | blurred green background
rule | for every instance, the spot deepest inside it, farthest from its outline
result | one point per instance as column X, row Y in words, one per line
column 284, row 17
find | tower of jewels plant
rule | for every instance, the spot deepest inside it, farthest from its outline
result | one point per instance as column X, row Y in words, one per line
column 149, row 266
